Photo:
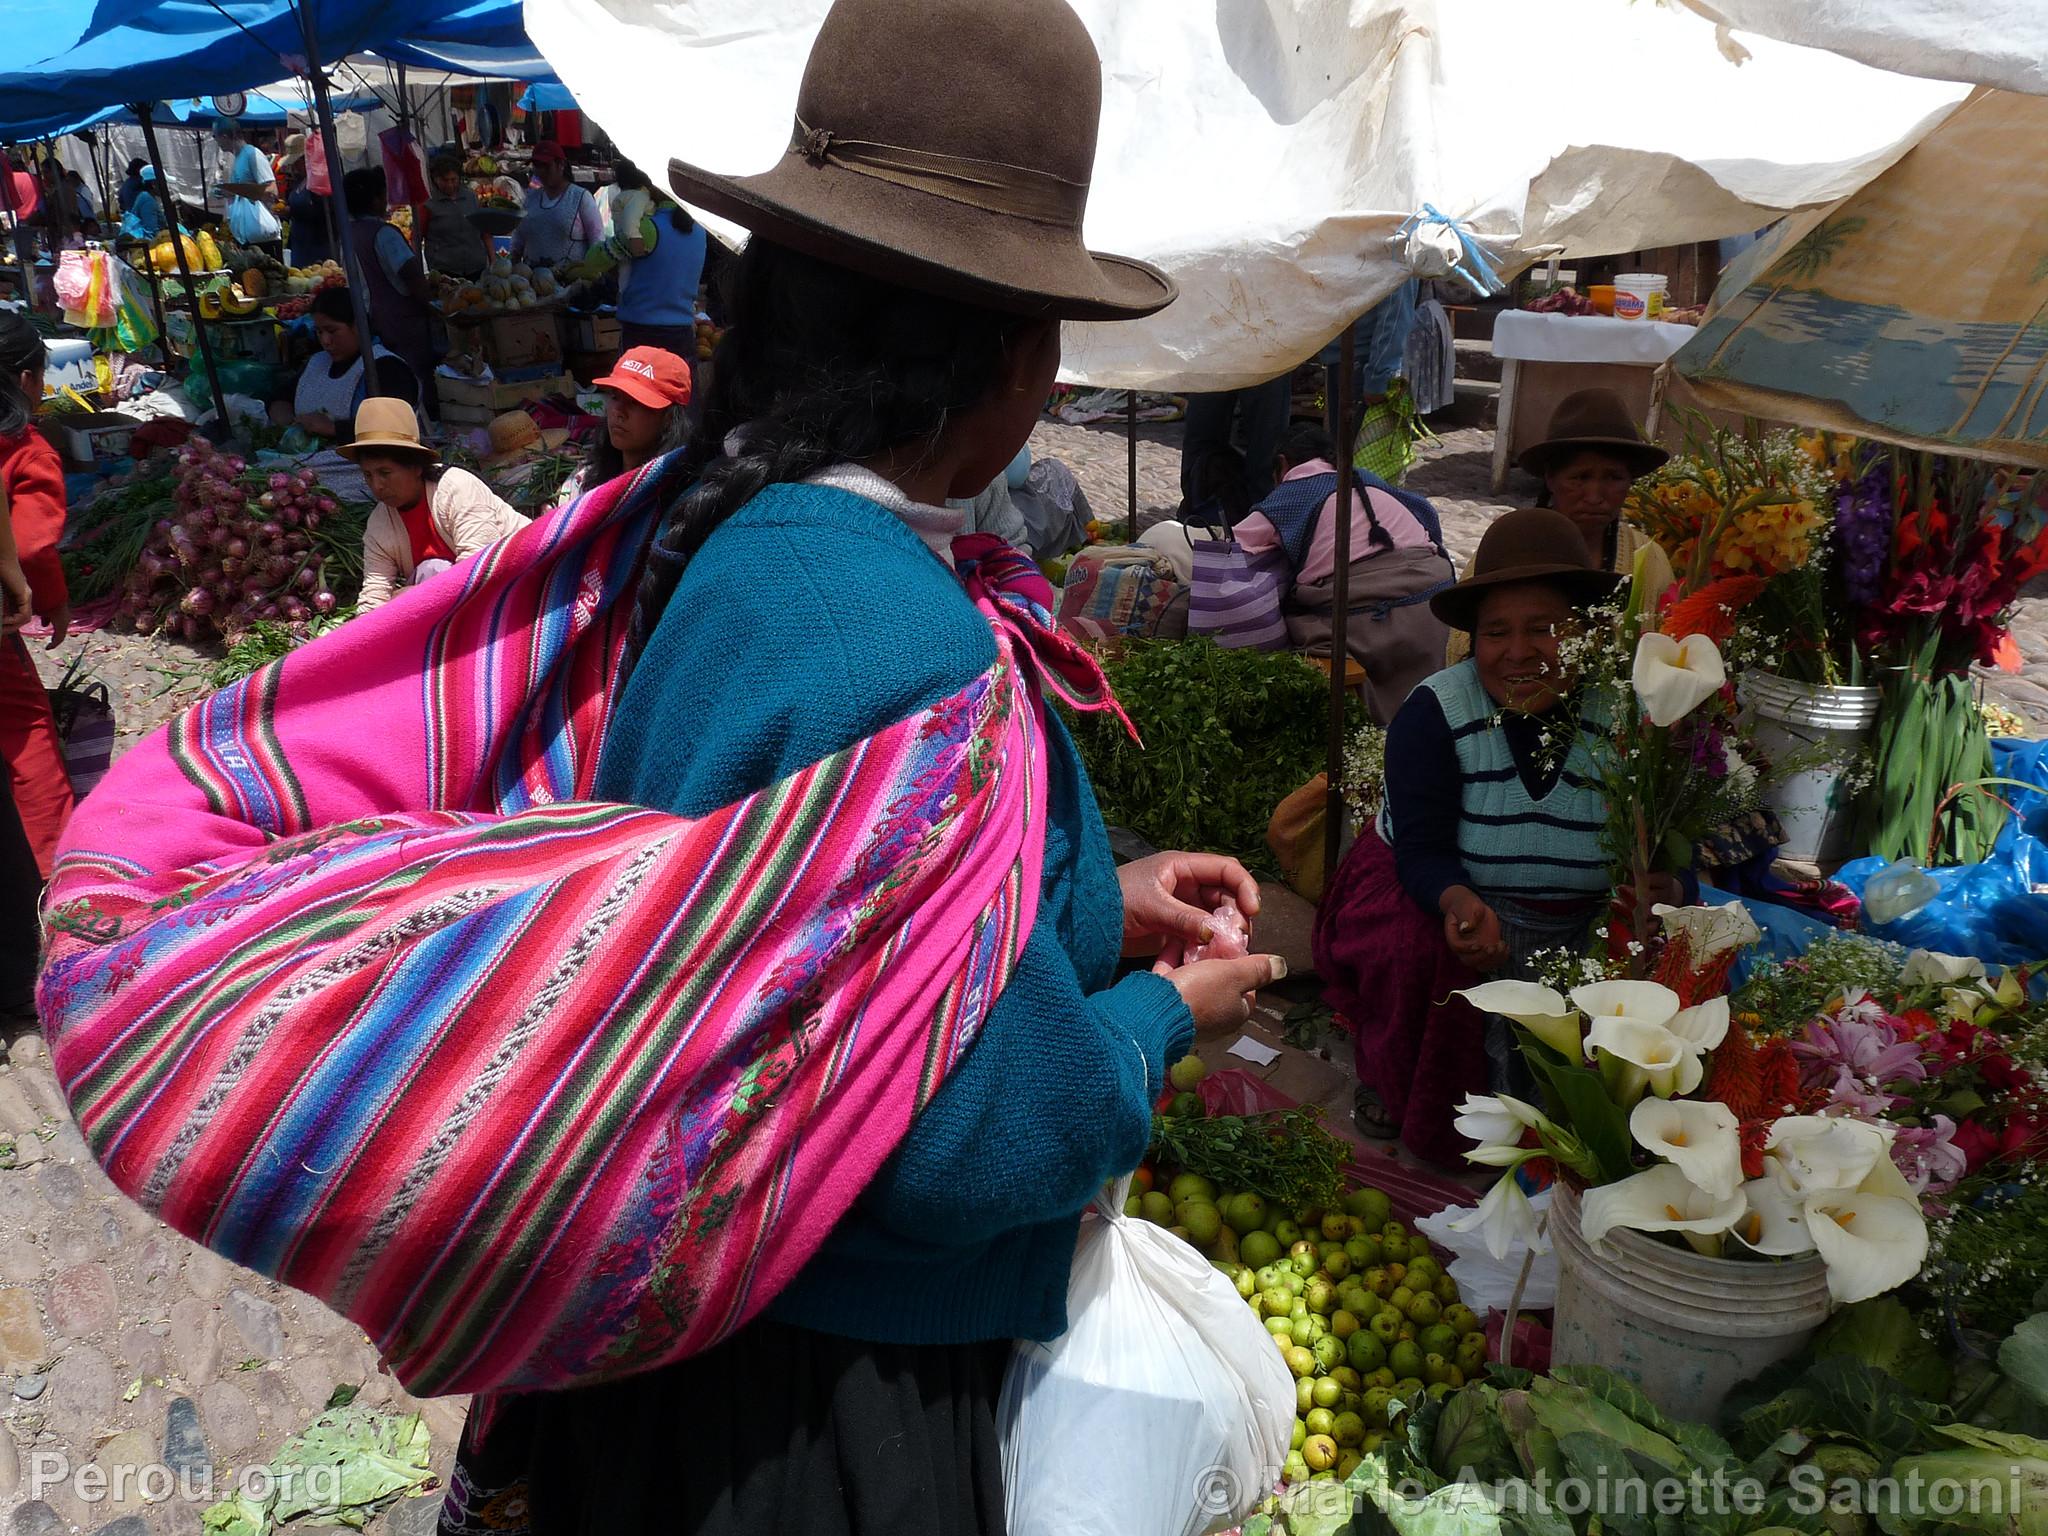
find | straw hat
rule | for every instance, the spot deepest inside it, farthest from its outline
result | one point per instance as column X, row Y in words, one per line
column 387, row 424
column 947, row 146
column 1598, row 419
column 1529, row 544
column 294, row 148
column 516, row 432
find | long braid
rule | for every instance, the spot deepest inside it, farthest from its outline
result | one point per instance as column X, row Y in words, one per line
column 820, row 366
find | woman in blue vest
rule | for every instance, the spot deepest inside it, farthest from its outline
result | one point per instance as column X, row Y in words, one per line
column 1488, row 849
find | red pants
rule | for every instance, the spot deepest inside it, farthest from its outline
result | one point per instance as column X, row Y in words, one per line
column 33, row 755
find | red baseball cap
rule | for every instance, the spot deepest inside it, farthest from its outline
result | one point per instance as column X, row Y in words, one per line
column 548, row 149
column 655, row 377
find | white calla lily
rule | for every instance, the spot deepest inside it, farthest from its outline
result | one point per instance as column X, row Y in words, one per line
column 1495, row 1120
column 1818, row 1154
column 1775, row 1222
column 1710, row 930
column 1540, row 1010
column 1504, row 1221
column 1871, row 1242
column 1648, row 1055
column 1700, row 1138
column 1661, row 1199
column 1925, row 967
column 1673, row 676
column 1647, row 1002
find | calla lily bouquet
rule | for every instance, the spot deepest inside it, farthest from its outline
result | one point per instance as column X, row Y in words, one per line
column 1631, row 1078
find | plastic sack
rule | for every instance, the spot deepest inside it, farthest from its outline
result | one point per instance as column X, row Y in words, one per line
column 1486, row 1284
column 1163, row 1410
column 250, row 222
column 1238, row 598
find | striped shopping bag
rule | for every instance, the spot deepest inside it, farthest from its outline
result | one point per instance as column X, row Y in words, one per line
column 1235, row 598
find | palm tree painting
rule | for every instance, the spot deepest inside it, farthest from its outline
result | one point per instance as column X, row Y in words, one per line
column 2033, row 379
column 1805, row 261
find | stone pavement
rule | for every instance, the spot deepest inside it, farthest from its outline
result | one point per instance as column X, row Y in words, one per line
column 124, row 1345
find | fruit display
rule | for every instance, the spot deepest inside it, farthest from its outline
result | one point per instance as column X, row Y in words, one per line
column 306, row 281
column 505, row 285
column 235, row 547
column 1361, row 1309
column 163, row 257
column 707, row 340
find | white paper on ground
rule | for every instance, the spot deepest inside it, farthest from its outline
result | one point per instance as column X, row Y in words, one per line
column 1252, row 1051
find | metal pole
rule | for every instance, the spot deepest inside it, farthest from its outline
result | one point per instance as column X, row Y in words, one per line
column 323, row 110
column 405, row 126
column 199, row 331
column 1340, row 605
column 1131, row 465
column 199, row 138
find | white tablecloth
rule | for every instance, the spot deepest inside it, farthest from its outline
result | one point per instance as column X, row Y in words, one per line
column 1538, row 338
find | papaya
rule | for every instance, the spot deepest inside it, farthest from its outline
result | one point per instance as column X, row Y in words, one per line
column 210, row 306
column 210, row 252
column 235, row 302
column 253, row 283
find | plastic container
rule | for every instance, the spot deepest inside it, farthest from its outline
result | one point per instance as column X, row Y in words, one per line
column 1683, row 1327
column 1640, row 295
column 1817, row 730
column 1601, row 297
column 1897, row 891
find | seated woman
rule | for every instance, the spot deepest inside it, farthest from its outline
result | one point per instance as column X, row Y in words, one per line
column 646, row 414
column 1593, row 454
column 1396, row 563
column 332, row 388
column 144, row 218
column 429, row 515
column 1488, row 848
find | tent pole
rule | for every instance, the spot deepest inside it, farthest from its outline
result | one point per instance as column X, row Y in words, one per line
column 1340, row 606
column 405, row 127
column 205, row 195
column 199, row 331
column 359, row 294
column 1131, row 466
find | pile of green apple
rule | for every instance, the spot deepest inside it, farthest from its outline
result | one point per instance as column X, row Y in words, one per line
column 1362, row 1310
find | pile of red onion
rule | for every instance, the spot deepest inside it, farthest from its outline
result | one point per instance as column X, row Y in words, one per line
column 240, row 549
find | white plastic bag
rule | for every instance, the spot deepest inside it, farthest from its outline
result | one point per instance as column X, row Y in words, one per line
column 1485, row 1283
column 1163, row 1410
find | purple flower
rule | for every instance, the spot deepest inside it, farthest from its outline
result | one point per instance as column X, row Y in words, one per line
column 1858, row 1057
column 1863, row 528
column 1928, row 1156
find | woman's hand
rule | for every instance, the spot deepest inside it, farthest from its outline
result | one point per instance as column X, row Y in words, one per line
column 14, row 594
column 319, row 423
column 1472, row 929
column 1168, row 899
column 60, row 625
column 1219, row 992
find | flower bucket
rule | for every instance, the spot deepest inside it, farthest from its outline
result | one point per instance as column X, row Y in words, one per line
column 1684, row 1328
column 1806, row 722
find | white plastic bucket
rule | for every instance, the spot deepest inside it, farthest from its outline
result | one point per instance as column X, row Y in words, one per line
column 1640, row 295
column 1821, row 728
column 1683, row 1327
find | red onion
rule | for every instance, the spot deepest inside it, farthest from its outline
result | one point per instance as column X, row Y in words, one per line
column 325, row 601
column 307, row 579
column 280, row 480
column 270, row 530
column 294, row 611
column 326, row 505
column 197, row 601
column 236, row 548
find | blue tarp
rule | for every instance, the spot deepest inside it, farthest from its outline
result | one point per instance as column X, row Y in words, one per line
column 71, row 67
column 547, row 98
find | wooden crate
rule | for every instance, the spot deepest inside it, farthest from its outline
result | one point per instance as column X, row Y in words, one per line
column 468, row 404
column 596, row 333
column 523, row 340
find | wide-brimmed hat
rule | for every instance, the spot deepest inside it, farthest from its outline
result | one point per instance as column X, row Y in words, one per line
column 1596, row 419
column 654, row 376
column 516, row 432
column 1528, row 544
column 388, row 424
column 945, row 145
column 294, row 148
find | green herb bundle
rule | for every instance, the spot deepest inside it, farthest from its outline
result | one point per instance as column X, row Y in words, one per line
column 1282, row 1155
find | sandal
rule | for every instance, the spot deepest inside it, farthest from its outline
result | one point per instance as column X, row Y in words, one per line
column 1369, row 1114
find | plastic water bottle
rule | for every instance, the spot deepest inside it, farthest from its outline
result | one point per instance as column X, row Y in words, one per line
column 1898, row 890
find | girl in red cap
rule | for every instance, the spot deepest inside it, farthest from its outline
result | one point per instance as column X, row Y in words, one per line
column 646, row 414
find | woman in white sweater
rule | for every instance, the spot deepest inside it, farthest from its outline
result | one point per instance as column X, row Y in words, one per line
column 428, row 515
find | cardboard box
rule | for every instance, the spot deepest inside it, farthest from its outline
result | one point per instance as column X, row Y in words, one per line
column 523, row 340
column 597, row 333
column 468, row 404
column 104, row 435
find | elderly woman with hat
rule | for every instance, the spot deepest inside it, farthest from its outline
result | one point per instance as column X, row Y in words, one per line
column 1594, row 452
column 1489, row 846
column 895, row 329
column 428, row 515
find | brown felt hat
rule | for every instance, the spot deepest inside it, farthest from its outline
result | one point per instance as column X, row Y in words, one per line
column 1599, row 420
column 1528, row 544
column 946, row 145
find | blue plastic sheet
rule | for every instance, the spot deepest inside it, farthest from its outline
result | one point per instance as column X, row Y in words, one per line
column 1997, row 910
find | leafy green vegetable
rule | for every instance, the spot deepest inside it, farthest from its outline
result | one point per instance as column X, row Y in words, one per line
column 2003, row 1480
column 1470, row 1440
column 1283, row 1155
column 106, row 535
column 1844, row 1399
column 1228, row 735
column 1883, row 1333
column 2024, row 1358
column 268, row 640
column 342, row 1469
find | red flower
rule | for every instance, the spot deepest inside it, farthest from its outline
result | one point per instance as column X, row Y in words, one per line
column 1977, row 1144
column 1997, row 1069
column 1754, row 1134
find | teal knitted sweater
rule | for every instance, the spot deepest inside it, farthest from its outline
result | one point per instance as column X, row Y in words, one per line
column 810, row 619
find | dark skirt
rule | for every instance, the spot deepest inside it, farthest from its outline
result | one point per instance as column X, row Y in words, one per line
column 1389, row 973
column 777, row 1430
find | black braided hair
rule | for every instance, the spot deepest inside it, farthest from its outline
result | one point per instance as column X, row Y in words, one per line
column 22, row 350
column 820, row 366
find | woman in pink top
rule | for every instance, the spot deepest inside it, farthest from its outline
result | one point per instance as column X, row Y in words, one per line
column 1395, row 564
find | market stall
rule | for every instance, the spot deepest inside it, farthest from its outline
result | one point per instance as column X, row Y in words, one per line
column 1548, row 356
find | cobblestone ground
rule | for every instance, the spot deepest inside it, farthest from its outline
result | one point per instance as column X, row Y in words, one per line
column 122, row 1344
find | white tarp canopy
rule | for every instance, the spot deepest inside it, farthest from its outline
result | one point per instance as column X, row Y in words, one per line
column 1264, row 151
column 2003, row 43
